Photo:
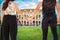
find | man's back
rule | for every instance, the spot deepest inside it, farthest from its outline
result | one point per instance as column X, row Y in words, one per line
column 48, row 5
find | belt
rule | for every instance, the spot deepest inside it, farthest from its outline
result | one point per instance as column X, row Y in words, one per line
column 9, row 14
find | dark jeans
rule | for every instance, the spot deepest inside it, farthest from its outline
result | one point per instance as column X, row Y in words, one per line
column 9, row 25
column 49, row 20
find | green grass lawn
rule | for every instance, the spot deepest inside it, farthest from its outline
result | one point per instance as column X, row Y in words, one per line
column 33, row 33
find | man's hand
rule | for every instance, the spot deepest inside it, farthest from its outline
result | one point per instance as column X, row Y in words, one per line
column 30, row 18
column 58, row 20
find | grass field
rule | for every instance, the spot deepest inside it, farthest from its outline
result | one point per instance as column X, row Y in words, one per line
column 33, row 33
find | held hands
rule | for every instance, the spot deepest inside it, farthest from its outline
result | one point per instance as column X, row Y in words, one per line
column 29, row 18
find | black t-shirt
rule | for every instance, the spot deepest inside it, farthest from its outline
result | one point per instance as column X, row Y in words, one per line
column 48, row 5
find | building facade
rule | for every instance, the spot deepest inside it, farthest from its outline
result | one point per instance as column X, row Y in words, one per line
column 37, row 19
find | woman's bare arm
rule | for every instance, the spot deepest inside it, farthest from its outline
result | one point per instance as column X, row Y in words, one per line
column 2, row 15
column 17, row 10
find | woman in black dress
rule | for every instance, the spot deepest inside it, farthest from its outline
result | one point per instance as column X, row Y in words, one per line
column 9, row 20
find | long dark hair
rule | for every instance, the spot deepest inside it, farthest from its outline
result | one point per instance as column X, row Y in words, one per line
column 5, row 4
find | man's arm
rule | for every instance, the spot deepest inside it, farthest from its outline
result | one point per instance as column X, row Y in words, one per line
column 37, row 8
column 58, row 8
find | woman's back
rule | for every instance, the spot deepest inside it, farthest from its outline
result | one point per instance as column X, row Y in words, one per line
column 10, row 10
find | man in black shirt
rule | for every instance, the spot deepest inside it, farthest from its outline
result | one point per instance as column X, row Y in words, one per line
column 49, row 17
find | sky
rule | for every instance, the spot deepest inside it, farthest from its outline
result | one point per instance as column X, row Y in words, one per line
column 24, row 4
column 27, row 4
